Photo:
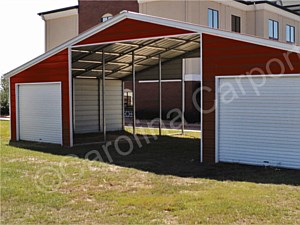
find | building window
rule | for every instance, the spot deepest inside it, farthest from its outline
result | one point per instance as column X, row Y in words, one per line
column 290, row 34
column 128, row 96
column 236, row 24
column 273, row 30
column 213, row 18
column 106, row 17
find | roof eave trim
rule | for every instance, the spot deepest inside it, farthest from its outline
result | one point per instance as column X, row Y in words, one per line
column 251, row 39
column 58, row 10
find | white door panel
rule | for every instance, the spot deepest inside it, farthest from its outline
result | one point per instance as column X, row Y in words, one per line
column 40, row 112
column 261, row 124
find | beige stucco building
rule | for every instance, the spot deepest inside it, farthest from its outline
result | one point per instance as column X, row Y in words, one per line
column 254, row 17
column 60, row 26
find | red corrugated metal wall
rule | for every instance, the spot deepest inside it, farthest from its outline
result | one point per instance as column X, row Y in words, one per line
column 222, row 56
column 132, row 29
column 53, row 69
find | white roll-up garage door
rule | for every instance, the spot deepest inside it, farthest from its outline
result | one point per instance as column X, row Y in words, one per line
column 258, row 121
column 40, row 112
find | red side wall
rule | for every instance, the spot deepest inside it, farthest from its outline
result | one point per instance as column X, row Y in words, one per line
column 223, row 57
column 132, row 29
column 53, row 69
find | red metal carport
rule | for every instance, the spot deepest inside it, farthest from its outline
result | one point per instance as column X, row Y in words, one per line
column 222, row 54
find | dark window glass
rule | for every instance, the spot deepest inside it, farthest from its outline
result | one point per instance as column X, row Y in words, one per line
column 236, row 24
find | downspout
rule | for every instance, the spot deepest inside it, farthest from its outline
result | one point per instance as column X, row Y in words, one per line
column 255, row 20
column 186, row 16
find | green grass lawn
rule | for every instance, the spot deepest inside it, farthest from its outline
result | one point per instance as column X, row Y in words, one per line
column 159, row 183
column 166, row 132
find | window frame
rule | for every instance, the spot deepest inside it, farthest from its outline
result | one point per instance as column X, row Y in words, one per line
column 273, row 35
column 292, row 34
column 105, row 17
column 213, row 19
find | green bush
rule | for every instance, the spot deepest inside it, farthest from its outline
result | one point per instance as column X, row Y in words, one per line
column 4, row 96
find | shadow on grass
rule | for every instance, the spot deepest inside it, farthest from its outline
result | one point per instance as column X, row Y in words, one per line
column 173, row 156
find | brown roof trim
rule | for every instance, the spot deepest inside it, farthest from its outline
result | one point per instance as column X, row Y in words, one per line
column 58, row 10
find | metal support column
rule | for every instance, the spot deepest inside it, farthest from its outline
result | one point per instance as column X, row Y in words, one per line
column 99, row 104
column 133, row 93
column 159, row 94
column 103, row 96
column 73, row 105
column 183, row 96
column 123, row 106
